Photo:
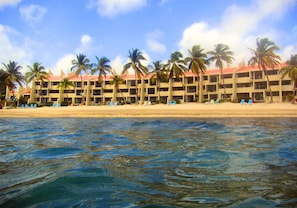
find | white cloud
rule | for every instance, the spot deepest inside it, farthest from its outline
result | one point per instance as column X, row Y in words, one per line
column 64, row 63
column 85, row 40
column 117, row 64
column 239, row 28
column 85, row 44
column 111, row 8
column 153, row 41
column 11, row 51
column 33, row 13
column 4, row 3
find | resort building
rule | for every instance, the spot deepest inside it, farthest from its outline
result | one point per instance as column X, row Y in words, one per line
column 240, row 83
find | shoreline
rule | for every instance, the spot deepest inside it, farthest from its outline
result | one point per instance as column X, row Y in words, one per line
column 187, row 110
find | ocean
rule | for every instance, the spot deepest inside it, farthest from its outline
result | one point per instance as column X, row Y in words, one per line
column 143, row 162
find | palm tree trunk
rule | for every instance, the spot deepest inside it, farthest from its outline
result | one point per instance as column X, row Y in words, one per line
column 223, row 80
column 294, row 92
column 198, row 89
column 81, row 89
column 268, row 82
column 158, row 89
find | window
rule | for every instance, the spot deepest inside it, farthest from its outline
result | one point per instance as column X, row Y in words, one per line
column 163, row 89
column 190, row 80
column 274, row 83
column 242, row 85
column 205, row 77
column 213, row 78
column 245, row 74
column 211, row 88
column 286, row 82
column 258, row 75
column 108, row 91
column 151, row 91
column 96, row 92
column 177, row 88
column 133, row 92
column 54, row 91
column 226, row 86
column 272, row 72
column 260, row 85
column 227, row 76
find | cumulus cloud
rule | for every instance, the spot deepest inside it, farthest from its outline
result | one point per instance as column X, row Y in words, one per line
column 4, row 3
column 112, row 8
column 10, row 51
column 85, row 44
column 153, row 41
column 239, row 28
column 64, row 64
column 117, row 64
column 33, row 13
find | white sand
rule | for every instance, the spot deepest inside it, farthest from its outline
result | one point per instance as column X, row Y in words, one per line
column 160, row 110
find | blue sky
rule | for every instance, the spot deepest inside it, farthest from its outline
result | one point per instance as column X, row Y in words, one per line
column 54, row 31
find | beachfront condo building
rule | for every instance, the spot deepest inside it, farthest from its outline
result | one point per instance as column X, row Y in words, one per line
column 240, row 83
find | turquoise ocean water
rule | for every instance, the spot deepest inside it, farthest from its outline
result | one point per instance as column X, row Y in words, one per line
column 116, row 162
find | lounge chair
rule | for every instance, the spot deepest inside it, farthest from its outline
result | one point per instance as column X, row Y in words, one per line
column 242, row 102
column 217, row 101
column 250, row 102
column 110, row 103
column 212, row 101
column 115, row 103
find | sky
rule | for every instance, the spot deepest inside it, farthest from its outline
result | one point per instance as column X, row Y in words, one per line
column 53, row 32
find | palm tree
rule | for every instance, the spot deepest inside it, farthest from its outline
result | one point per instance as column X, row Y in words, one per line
column 159, row 74
column 12, row 75
column 140, row 70
column 80, row 64
column 117, row 80
column 103, row 68
column 175, row 68
column 198, row 61
column 64, row 84
column 37, row 72
column 220, row 54
column 291, row 71
column 264, row 56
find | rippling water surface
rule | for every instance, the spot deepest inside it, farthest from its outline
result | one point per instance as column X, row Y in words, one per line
column 148, row 162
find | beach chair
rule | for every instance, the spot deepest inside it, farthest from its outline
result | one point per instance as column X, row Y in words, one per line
column 250, row 102
column 115, row 103
column 110, row 103
column 242, row 102
column 217, row 101
column 212, row 101
column 59, row 105
column 35, row 105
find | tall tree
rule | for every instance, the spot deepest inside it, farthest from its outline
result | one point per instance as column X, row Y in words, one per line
column 116, row 81
column 158, row 74
column 175, row 68
column 64, row 84
column 3, row 76
column 219, row 55
column 264, row 56
column 135, row 58
column 36, row 72
column 291, row 71
column 197, row 64
column 13, row 75
column 102, row 67
column 80, row 64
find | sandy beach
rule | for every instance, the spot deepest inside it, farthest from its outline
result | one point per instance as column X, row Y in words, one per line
column 160, row 110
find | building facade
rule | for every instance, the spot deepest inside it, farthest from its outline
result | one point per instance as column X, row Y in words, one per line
column 240, row 83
